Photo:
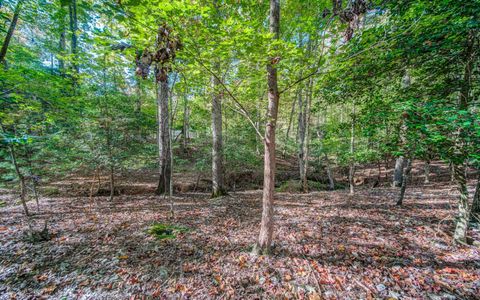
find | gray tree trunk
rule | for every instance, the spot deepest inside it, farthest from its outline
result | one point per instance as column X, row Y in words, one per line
column 398, row 172
column 351, row 172
column 306, row 142
column 403, row 186
column 426, row 169
column 302, row 123
column 463, row 216
column 163, row 137
column 266, row 228
column 218, row 188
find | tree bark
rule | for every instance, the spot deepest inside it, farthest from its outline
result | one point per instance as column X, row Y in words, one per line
column 461, row 227
column 218, row 188
column 426, row 169
column 163, row 137
column 301, row 134
column 459, row 165
column 351, row 172
column 475, row 213
column 331, row 179
column 403, row 186
column 306, row 143
column 72, row 9
column 264, row 242
column 11, row 29
column 62, row 43
column 398, row 172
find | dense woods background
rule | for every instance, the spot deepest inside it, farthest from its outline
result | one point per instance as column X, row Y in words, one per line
column 163, row 102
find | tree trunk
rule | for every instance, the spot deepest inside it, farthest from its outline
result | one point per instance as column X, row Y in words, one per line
column 426, row 169
column 218, row 188
column 398, row 172
column 301, row 134
column 403, row 186
column 459, row 165
column 11, row 29
column 112, row 181
column 186, row 123
column 475, row 213
column 62, row 43
column 266, row 229
column 460, row 234
column 331, row 180
column 163, row 137
column 305, row 151
column 351, row 172
column 72, row 9
column 33, row 177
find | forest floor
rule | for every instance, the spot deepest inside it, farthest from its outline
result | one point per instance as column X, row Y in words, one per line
column 328, row 245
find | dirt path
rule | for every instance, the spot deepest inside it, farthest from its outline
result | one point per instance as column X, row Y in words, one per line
column 328, row 245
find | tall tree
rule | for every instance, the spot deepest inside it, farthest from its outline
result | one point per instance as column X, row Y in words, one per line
column 218, row 188
column 163, row 133
column 461, row 227
column 266, row 230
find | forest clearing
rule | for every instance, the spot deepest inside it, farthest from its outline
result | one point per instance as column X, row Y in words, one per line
column 254, row 149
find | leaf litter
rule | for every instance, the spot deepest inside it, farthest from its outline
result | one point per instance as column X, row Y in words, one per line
column 328, row 245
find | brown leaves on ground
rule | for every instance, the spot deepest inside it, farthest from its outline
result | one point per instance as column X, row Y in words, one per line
column 328, row 245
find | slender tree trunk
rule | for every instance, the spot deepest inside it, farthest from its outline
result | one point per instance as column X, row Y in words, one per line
column 351, row 172
column 112, row 182
column 426, row 169
column 218, row 188
column 403, row 186
column 186, row 123
column 163, row 136
column 306, row 143
column 33, row 177
column 11, row 29
column 266, row 229
column 301, row 135
column 476, row 200
column 62, row 43
column 61, row 61
column 331, row 179
column 72, row 9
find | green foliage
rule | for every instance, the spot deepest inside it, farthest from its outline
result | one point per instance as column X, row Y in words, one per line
column 405, row 57
column 165, row 231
